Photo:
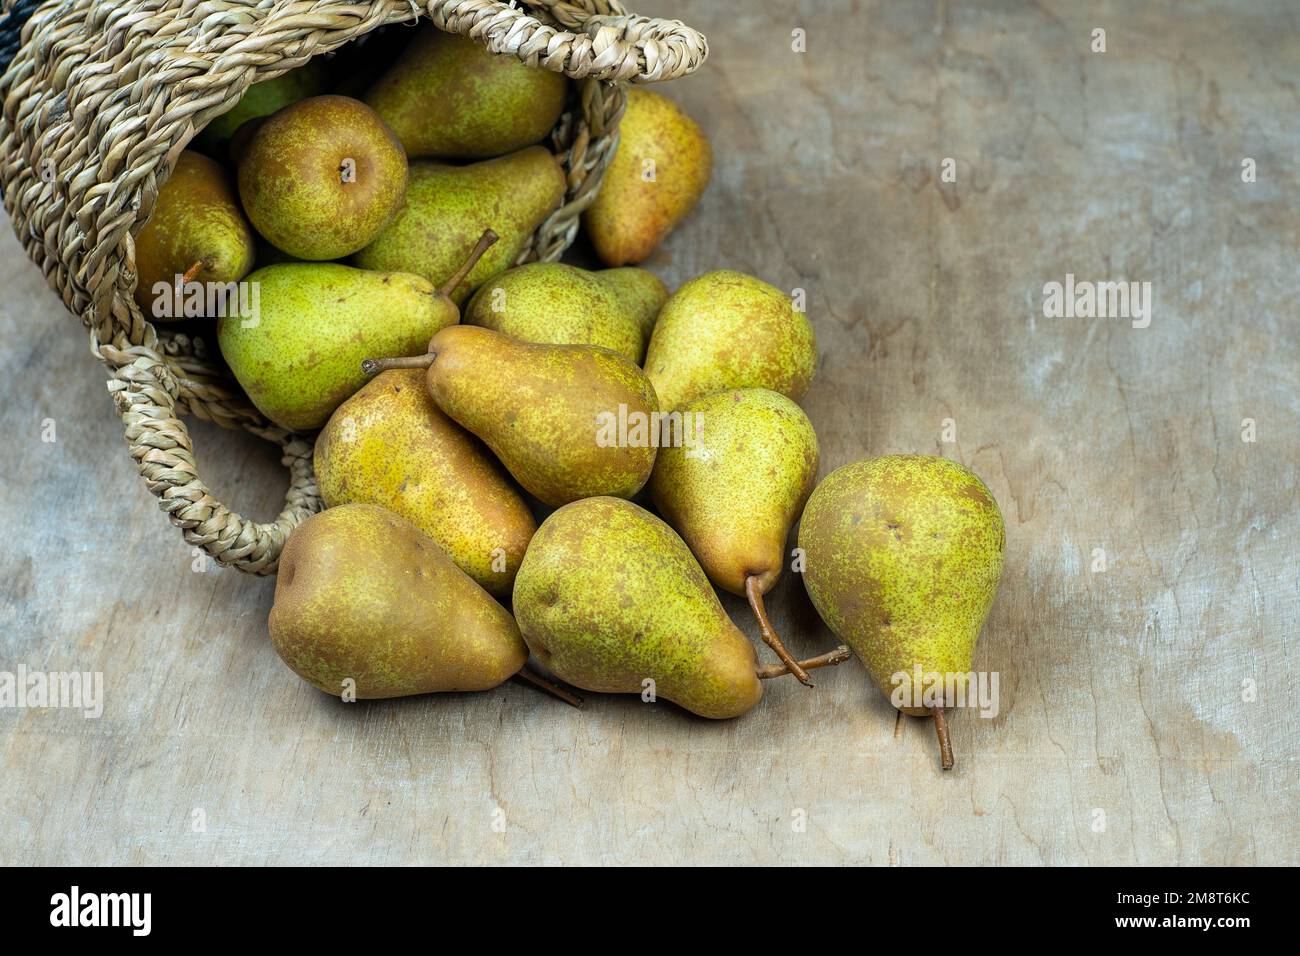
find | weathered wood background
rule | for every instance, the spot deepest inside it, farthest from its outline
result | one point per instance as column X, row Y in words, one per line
column 1128, row 732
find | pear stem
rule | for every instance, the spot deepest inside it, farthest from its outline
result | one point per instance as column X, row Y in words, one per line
column 185, row 279
column 484, row 243
column 770, row 637
column 374, row 366
column 525, row 676
column 945, row 742
column 194, row 270
column 829, row 659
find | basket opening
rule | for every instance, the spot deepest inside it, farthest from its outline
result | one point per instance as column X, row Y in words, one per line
column 185, row 324
column 349, row 70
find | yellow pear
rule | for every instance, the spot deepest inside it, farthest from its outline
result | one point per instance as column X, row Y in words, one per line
column 656, row 177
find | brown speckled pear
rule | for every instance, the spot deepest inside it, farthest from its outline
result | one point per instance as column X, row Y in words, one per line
column 734, row 488
column 390, row 445
column 567, row 421
column 609, row 597
column 641, row 291
column 321, row 178
column 904, row 554
column 556, row 304
column 449, row 97
column 197, row 231
column 658, row 174
column 729, row 330
column 447, row 207
column 362, row 595
column 301, row 355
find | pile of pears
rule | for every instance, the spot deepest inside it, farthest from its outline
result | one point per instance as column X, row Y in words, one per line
column 537, row 462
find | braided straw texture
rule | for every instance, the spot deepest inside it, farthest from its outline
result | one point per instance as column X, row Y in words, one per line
column 102, row 97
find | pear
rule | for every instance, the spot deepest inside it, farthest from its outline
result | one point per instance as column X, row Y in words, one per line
column 390, row 445
column 448, row 96
column 446, row 207
column 197, row 232
column 557, row 304
column 299, row 356
column 321, row 178
column 640, row 290
column 609, row 597
column 567, row 421
column 263, row 99
column 728, row 330
column 364, row 597
column 903, row 557
column 735, row 490
column 656, row 177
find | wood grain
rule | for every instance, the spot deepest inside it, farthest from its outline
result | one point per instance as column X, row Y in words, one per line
column 1122, row 690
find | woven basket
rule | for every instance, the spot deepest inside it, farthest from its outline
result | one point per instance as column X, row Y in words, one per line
column 100, row 98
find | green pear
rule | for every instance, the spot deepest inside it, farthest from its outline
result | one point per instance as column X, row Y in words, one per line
column 446, row 207
column 734, row 488
column 658, row 173
column 263, row 99
column 609, row 597
column 729, row 330
column 557, row 304
column 390, row 445
column 567, row 421
column 322, row 178
column 363, row 596
column 299, row 355
column 197, row 232
column 639, row 290
column 903, row 557
column 448, row 96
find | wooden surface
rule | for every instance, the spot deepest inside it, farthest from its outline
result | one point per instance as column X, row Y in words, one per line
column 1122, row 690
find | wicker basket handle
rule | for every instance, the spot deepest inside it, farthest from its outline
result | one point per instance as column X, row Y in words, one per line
column 602, row 41
column 144, row 391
